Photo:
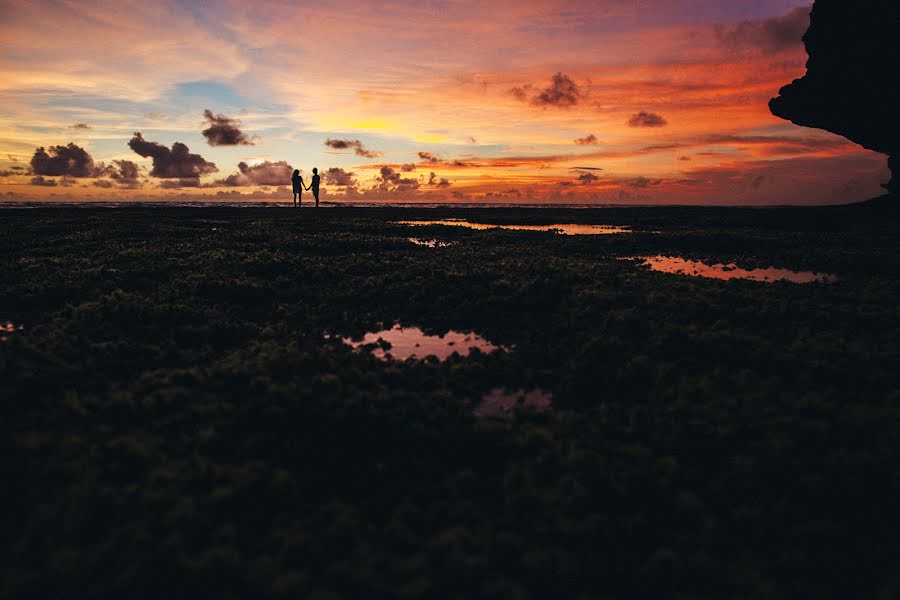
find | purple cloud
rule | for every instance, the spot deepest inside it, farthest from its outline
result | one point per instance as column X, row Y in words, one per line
column 224, row 131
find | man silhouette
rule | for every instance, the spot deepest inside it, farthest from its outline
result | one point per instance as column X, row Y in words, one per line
column 314, row 185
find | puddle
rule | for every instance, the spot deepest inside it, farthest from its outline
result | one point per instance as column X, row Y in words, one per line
column 429, row 243
column 561, row 228
column 7, row 328
column 401, row 343
column 503, row 403
column 695, row 268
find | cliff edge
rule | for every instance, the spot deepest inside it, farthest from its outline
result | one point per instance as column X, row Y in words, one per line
column 851, row 84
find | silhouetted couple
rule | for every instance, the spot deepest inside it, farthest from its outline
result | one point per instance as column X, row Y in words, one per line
column 299, row 186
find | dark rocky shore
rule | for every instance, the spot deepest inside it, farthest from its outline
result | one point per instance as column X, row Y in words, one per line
column 176, row 424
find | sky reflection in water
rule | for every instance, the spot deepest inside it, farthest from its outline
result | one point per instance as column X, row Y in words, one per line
column 409, row 342
column 8, row 327
column 695, row 268
column 429, row 243
column 561, row 228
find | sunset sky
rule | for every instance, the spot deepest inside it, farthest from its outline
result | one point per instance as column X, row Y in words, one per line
column 609, row 101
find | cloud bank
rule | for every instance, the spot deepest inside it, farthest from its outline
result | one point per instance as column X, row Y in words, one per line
column 264, row 173
column 174, row 163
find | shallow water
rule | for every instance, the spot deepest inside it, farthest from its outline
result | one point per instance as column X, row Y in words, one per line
column 695, row 268
column 503, row 403
column 412, row 342
column 561, row 228
column 7, row 328
column 429, row 243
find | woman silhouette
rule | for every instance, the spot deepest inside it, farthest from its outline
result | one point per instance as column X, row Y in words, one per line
column 298, row 187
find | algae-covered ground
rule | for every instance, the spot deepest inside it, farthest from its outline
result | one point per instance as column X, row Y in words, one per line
column 180, row 418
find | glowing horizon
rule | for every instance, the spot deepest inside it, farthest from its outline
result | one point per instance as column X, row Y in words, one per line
column 618, row 101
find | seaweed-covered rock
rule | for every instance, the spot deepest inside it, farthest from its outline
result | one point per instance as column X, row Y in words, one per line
column 850, row 84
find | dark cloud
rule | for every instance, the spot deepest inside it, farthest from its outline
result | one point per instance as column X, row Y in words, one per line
column 429, row 157
column 123, row 172
column 586, row 169
column 407, row 167
column 39, row 180
column 338, row 176
column 390, row 180
column 471, row 140
column 8, row 173
column 510, row 194
column 388, row 175
column 562, row 92
column 127, row 169
column 643, row 182
column 177, row 163
column 589, row 140
column 355, row 145
column 434, row 181
column 521, row 93
column 769, row 36
column 265, row 173
column 224, row 131
column 79, row 126
column 587, row 178
column 647, row 119
column 69, row 160
column 103, row 183
column 66, row 181
column 126, row 173
column 684, row 158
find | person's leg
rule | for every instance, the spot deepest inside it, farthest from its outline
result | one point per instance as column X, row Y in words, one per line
column 316, row 194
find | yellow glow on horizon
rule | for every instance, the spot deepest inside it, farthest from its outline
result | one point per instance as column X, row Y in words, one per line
column 374, row 124
column 428, row 138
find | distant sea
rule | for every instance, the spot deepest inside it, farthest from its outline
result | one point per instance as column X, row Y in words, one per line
column 288, row 204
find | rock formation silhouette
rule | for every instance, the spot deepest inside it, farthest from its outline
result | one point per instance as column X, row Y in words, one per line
column 850, row 87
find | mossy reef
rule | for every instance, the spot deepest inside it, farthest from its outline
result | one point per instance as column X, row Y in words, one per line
column 175, row 423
